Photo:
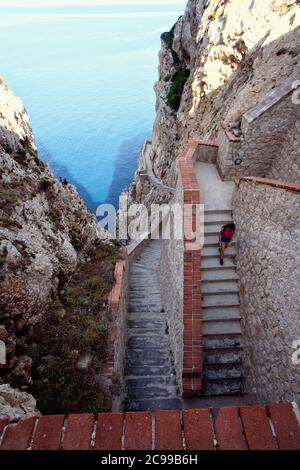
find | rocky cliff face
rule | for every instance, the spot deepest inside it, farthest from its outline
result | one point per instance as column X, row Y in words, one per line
column 218, row 60
column 45, row 232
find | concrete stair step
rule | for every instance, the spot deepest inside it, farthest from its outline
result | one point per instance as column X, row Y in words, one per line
column 223, row 387
column 136, row 271
column 142, row 314
column 144, row 289
column 214, row 263
column 212, row 229
column 148, row 357
column 149, row 375
column 221, row 314
column 213, row 252
column 216, row 275
column 144, row 308
column 217, row 218
column 145, row 332
column 145, row 300
column 213, row 240
column 220, row 300
column 218, row 211
column 147, row 371
column 153, row 391
column 222, row 343
column 153, row 404
column 219, row 357
column 223, row 327
column 158, row 324
column 150, row 342
column 214, row 373
column 218, row 402
column 219, row 287
column 147, row 292
column 140, row 382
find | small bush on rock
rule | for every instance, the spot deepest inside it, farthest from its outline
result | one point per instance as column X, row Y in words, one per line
column 178, row 81
column 44, row 184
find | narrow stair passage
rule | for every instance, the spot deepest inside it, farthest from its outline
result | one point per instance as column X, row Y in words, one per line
column 149, row 374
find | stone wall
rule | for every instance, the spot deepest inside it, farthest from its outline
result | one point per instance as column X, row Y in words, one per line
column 229, row 153
column 180, row 269
column 113, row 372
column 207, row 151
column 171, row 280
column 267, row 139
column 287, row 164
column 266, row 142
column 268, row 235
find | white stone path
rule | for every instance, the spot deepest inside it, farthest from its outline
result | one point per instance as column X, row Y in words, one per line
column 215, row 193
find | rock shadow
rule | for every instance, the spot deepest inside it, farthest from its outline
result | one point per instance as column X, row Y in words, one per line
column 125, row 166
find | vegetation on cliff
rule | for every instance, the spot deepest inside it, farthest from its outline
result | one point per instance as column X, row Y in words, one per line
column 179, row 78
column 175, row 93
column 68, row 346
column 56, row 270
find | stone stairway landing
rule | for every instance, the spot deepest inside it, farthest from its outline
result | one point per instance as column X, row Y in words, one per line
column 149, row 374
column 222, row 335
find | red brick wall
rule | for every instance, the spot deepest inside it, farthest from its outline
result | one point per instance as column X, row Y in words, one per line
column 274, row 183
column 247, row 427
column 116, row 299
column 192, row 313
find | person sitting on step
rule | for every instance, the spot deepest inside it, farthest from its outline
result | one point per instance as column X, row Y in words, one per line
column 225, row 239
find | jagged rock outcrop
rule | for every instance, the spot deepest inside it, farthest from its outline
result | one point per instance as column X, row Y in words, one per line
column 45, row 232
column 219, row 59
column 16, row 405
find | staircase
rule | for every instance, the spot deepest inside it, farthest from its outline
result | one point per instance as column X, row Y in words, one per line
column 223, row 368
column 149, row 373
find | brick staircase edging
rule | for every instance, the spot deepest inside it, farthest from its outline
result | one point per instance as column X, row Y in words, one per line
column 287, row 185
column 192, row 314
column 256, row 427
column 113, row 370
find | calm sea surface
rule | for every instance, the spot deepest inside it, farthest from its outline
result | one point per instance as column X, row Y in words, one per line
column 86, row 76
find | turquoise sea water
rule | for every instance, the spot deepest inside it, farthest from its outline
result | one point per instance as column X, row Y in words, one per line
column 86, row 76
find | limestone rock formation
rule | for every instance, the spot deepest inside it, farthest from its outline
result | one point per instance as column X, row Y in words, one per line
column 219, row 59
column 45, row 231
column 16, row 405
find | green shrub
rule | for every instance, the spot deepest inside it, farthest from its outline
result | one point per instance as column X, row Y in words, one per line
column 78, row 213
column 61, row 387
column 71, row 296
column 2, row 260
column 8, row 195
column 168, row 39
column 116, row 386
column 44, row 184
column 74, row 327
column 64, row 181
column 77, row 245
column 175, row 93
column 37, row 161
